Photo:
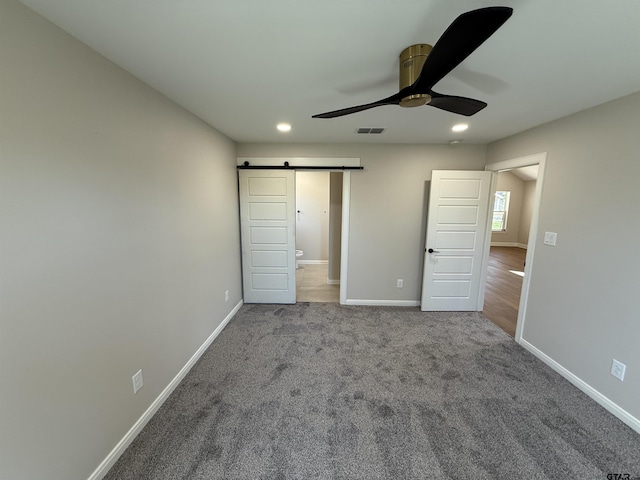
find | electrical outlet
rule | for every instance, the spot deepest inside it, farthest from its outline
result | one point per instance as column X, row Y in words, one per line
column 226, row 295
column 617, row 369
column 137, row 381
column 400, row 283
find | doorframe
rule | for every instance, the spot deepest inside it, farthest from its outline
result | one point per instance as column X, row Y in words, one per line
column 344, row 234
column 539, row 159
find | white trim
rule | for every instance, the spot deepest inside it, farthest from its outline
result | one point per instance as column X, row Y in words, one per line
column 344, row 241
column 503, row 244
column 313, row 262
column 526, row 161
column 605, row 402
column 333, row 282
column 484, row 265
column 137, row 427
column 385, row 303
column 509, row 244
column 299, row 162
column 539, row 159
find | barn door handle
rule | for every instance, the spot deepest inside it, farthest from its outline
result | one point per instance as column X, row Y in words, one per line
column 431, row 250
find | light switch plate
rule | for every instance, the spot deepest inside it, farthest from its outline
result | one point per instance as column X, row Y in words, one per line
column 137, row 381
column 550, row 238
column 617, row 369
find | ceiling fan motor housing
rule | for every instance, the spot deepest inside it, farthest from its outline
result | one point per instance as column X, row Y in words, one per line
column 411, row 61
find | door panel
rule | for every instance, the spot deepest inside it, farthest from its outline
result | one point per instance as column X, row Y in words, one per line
column 267, row 218
column 451, row 289
column 456, row 226
column 460, row 188
column 269, row 235
column 269, row 282
column 269, row 186
column 268, row 258
column 458, row 214
column 454, row 265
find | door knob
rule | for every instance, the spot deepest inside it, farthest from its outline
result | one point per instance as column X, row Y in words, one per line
column 431, row 250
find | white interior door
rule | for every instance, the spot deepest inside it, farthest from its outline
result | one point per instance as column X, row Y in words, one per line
column 456, row 234
column 267, row 218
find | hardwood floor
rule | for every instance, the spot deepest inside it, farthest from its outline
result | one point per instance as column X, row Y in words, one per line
column 502, row 295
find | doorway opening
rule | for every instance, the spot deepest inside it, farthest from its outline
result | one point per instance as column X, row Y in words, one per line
column 511, row 223
column 512, row 248
column 318, row 235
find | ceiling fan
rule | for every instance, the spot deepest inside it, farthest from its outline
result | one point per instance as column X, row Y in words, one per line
column 422, row 66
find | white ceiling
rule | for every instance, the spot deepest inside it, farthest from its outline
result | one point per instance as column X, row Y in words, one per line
column 245, row 65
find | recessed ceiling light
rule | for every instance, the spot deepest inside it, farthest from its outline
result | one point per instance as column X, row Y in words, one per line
column 460, row 127
column 283, row 127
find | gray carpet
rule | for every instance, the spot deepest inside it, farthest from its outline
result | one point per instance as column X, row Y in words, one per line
column 323, row 391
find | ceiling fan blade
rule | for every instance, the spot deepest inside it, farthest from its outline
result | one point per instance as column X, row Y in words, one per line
column 461, row 105
column 392, row 100
column 464, row 35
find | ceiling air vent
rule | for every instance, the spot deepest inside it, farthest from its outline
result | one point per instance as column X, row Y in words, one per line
column 371, row 131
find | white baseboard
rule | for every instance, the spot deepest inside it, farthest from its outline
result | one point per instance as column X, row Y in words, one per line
column 605, row 402
column 313, row 262
column 333, row 282
column 509, row 244
column 122, row 445
column 385, row 303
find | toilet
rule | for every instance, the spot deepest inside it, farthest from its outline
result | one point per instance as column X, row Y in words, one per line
column 299, row 254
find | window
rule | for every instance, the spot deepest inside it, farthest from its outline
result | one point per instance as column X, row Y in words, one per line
column 500, row 211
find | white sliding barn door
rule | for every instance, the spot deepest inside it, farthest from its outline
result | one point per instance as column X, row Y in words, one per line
column 267, row 218
column 456, row 234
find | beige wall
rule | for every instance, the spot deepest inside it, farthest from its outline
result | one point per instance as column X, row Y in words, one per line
column 119, row 234
column 511, row 183
column 582, row 310
column 526, row 212
column 387, row 210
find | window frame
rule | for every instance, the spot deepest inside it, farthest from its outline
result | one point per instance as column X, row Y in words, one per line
column 504, row 213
